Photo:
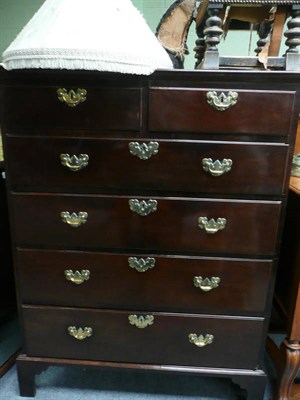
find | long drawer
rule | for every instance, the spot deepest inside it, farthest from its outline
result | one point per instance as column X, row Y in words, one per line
column 167, row 224
column 166, row 339
column 168, row 283
column 103, row 108
column 254, row 112
column 160, row 165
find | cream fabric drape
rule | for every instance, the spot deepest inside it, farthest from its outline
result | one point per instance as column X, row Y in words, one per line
column 103, row 35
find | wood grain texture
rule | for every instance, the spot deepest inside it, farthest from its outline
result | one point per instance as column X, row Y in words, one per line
column 113, row 108
column 242, row 290
column 249, row 115
column 169, row 107
column 251, row 226
column 258, row 168
column 114, row 339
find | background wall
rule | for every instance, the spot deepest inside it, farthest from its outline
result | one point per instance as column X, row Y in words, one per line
column 14, row 14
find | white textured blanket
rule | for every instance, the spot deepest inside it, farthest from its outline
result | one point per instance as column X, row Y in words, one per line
column 103, row 35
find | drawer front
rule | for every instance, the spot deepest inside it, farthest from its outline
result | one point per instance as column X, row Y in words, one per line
column 111, row 108
column 236, row 341
column 177, row 284
column 171, row 224
column 191, row 166
column 255, row 112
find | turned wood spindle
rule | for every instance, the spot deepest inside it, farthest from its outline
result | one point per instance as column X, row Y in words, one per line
column 213, row 30
column 293, row 32
column 200, row 45
column 264, row 31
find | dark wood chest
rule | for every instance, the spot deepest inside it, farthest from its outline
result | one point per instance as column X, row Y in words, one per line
column 146, row 215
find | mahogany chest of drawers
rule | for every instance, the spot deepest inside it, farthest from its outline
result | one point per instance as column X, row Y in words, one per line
column 146, row 216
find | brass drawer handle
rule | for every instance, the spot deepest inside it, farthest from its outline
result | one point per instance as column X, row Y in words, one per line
column 74, row 220
column 217, row 168
column 222, row 101
column 141, row 322
column 77, row 277
column 141, row 264
column 143, row 207
column 74, row 163
column 80, row 333
column 211, row 226
column 143, row 151
column 206, row 284
column 72, row 99
column 200, row 340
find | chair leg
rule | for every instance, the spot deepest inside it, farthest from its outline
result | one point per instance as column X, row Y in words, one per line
column 289, row 367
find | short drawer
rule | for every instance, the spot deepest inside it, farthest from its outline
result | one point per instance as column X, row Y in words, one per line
column 173, row 283
column 229, row 342
column 166, row 224
column 255, row 112
column 103, row 108
column 159, row 165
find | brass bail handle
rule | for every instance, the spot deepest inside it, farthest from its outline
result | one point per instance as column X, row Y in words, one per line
column 201, row 340
column 143, row 207
column 71, row 98
column 222, row 101
column 143, row 151
column 73, row 219
column 80, row 333
column 141, row 321
column 141, row 264
column 206, row 284
column 211, row 226
column 217, row 167
column 77, row 277
column 74, row 163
